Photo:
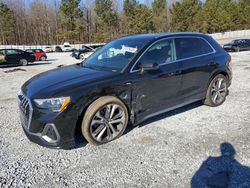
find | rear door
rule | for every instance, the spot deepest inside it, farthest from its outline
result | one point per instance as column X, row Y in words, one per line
column 196, row 57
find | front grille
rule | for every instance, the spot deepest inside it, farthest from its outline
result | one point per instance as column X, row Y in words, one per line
column 25, row 109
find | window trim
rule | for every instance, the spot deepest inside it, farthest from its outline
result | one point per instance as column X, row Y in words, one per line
column 174, row 37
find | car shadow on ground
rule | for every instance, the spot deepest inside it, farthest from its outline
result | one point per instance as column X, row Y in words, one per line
column 165, row 115
column 222, row 172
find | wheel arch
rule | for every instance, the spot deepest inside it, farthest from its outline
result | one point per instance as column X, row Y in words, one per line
column 224, row 73
column 124, row 97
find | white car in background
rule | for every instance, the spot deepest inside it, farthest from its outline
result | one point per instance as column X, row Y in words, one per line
column 66, row 47
column 48, row 49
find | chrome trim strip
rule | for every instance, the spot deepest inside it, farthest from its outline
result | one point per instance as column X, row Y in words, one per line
column 214, row 51
column 21, row 103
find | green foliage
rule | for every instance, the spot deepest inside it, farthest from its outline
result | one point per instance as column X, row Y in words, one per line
column 244, row 14
column 183, row 14
column 217, row 15
column 107, row 20
column 160, row 15
column 139, row 18
column 6, row 23
column 70, row 22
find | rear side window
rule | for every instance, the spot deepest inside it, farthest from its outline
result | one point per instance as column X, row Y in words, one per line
column 191, row 47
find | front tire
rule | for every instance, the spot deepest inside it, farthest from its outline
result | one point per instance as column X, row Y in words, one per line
column 105, row 120
column 23, row 62
column 217, row 91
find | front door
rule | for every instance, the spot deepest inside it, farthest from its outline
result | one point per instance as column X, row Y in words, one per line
column 157, row 90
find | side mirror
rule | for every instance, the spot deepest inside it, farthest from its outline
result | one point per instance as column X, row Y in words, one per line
column 148, row 66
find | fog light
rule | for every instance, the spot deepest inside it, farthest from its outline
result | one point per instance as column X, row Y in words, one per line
column 50, row 133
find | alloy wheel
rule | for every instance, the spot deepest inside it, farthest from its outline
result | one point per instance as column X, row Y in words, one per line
column 219, row 91
column 107, row 123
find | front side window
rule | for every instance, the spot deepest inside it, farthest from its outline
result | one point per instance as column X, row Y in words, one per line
column 162, row 52
column 191, row 47
column 115, row 55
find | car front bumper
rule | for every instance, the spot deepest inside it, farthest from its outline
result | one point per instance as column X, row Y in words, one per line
column 51, row 130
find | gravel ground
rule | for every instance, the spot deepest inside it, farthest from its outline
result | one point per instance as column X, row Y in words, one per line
column 171, row 150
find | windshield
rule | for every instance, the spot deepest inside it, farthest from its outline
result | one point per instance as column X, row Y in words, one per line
column 115, row 55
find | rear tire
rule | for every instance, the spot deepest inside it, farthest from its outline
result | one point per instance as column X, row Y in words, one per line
column 23, row 62
column 105, row 120
column 217, row 91
column 43, row 58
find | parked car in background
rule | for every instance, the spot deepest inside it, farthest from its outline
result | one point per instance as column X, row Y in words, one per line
column 127, row 81
column 48, row 49
column 39, row 54
column 78, row 53
column 237, row 45
column 67, row 47
column 87, row 54
column 58, row 49
column 16, row 56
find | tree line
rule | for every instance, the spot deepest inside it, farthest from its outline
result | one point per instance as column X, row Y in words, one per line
column 85, row 21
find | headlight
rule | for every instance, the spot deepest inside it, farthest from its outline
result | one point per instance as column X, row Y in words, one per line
column 55, row 104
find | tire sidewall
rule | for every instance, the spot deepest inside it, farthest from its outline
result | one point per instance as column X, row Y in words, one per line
column 90, row 113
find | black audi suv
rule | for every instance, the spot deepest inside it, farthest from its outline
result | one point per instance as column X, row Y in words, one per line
column 127, row 81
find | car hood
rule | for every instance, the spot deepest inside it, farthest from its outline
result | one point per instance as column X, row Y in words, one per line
column 56, row 79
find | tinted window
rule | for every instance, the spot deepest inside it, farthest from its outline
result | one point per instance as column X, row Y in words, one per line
column 12, row 52
column 161, row 52
column 190, row 47
column 38, row 51
column 31, row 51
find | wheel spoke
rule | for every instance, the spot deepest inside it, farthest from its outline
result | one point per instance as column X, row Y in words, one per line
column 98, row 130
column 96, row 122
column 117, row 116
column 219, row 83
column 112, row 128
column 109, row 134
column 101, row 133
column 107, row 111
column 113, row 108
column 116, row 121
column 98, row 115
column 215, row 97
